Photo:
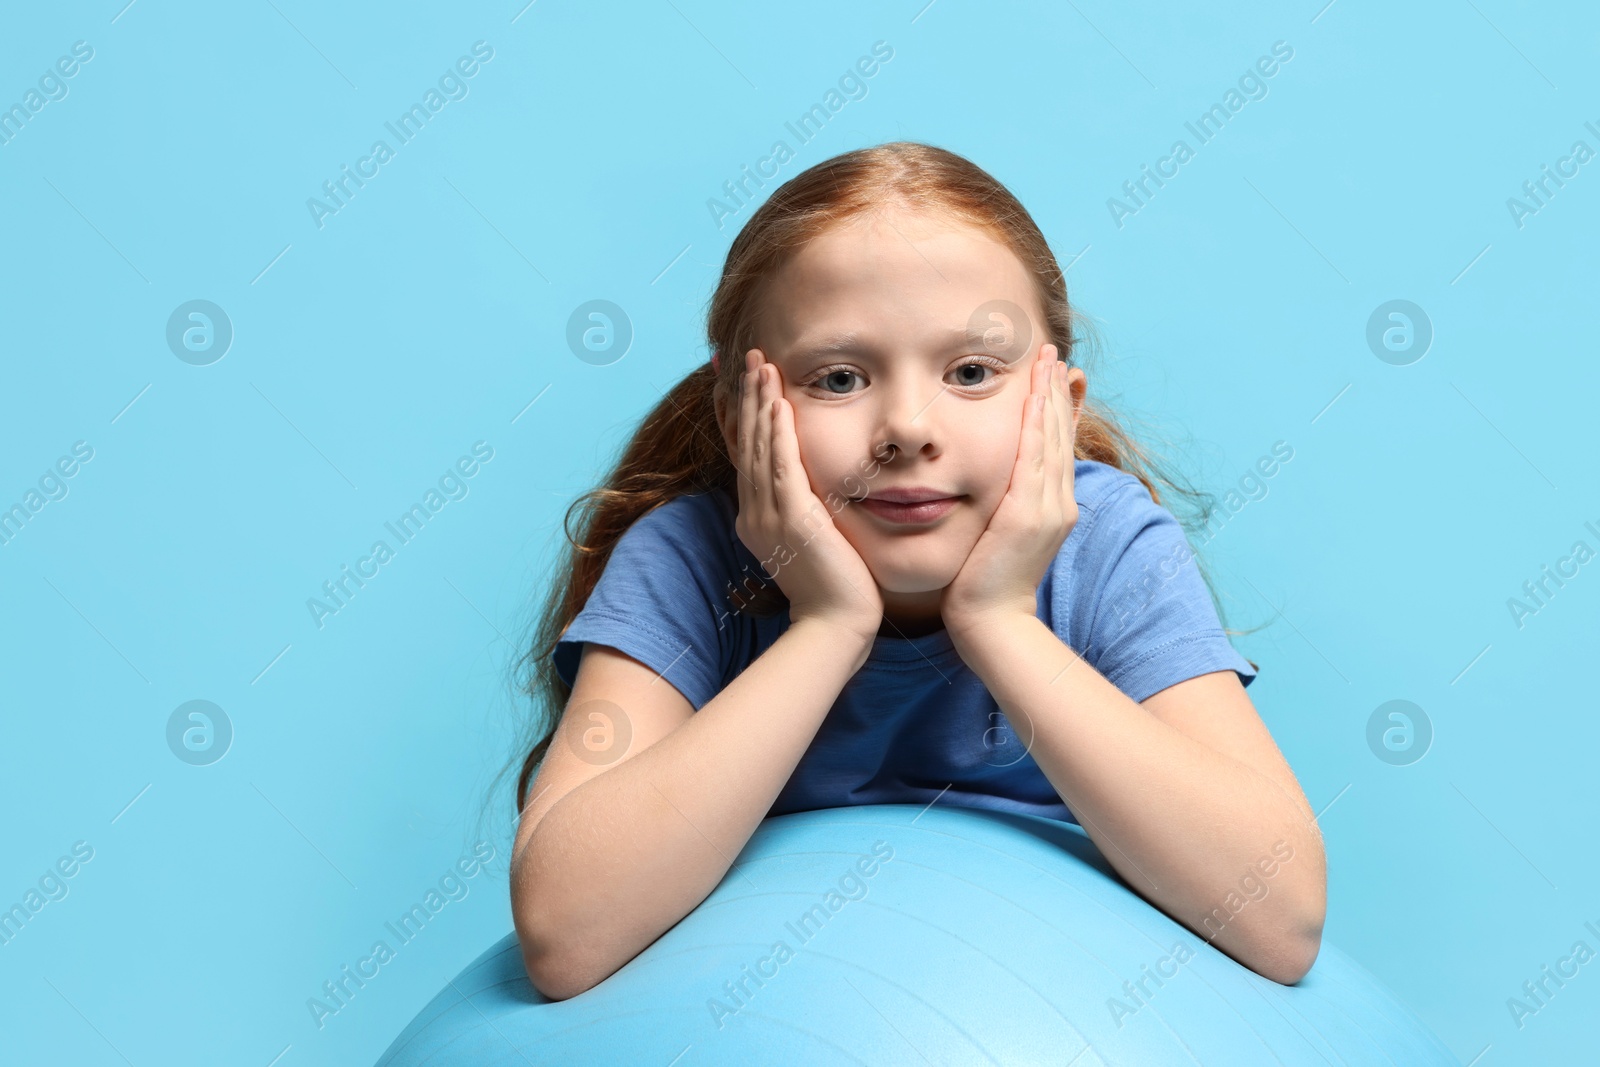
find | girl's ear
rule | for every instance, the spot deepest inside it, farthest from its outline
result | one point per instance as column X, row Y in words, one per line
column 1077, row 389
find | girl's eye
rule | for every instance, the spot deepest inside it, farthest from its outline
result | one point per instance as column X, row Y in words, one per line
column 976, row 365
column 831, row 377
column 840, row 376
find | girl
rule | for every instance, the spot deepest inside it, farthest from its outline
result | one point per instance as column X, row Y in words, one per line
column 883, row 549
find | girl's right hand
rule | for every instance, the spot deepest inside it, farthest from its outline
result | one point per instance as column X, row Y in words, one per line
column 783, row 523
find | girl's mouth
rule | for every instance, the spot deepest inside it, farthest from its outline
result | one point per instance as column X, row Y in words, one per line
column 919, row 514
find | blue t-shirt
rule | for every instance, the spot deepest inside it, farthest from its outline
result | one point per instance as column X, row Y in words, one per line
column 1123, row 592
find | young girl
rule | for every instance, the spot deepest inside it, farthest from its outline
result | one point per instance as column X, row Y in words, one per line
column 882, row 549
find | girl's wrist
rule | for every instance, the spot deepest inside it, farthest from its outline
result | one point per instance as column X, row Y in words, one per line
column 969, row 627
column 855, row 634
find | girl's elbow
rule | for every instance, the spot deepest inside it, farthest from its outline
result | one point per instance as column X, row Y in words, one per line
column 1293, row 961
column 549, row 974
column 1308, row 937
column 1300, row 942
column 1282, row 946
column 548, row 985
column 1295, row 951
column 557, row 973
column 541, row 962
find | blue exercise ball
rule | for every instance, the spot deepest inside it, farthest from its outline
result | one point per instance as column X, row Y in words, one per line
column 893, row 934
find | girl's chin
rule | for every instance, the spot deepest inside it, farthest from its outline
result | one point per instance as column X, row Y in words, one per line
column 899, row 580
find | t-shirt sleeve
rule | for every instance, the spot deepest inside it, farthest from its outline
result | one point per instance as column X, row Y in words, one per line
column 1149, row 616
column 657, row 601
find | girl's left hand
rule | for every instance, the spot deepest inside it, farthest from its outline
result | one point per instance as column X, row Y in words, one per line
column 1002, row 573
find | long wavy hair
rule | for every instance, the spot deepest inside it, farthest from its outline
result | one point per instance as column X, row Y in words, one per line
column 678, row 448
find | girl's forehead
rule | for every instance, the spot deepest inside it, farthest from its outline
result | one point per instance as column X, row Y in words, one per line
column 899, row 226
column 876, row 278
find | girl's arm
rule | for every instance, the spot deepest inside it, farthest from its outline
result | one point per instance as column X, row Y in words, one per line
column 1186, row 794
column 622, row 857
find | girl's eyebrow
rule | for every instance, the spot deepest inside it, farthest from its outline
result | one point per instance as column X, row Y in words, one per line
column 850, row 343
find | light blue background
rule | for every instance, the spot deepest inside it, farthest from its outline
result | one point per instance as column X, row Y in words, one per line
column 431, row 311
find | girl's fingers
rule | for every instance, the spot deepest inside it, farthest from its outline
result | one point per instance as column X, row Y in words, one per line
column 786, row 465
column 1052, row 445
column 747, row 420
column 1038, row 412
column 787, row 472
column 791, row 485
column 1069, row 439
column 762, row 459
column 752, row 486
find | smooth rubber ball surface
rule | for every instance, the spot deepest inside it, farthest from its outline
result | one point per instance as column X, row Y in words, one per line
column 893, row 934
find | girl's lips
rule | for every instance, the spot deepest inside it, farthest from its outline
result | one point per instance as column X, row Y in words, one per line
column 920, row 514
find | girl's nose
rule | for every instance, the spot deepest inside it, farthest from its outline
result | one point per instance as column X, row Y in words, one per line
column 909, row 421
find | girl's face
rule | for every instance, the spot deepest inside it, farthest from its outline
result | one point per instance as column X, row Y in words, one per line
column 871, row 328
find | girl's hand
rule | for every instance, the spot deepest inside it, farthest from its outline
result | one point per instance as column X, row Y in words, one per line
column 784, row 524
column 1002, row 573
